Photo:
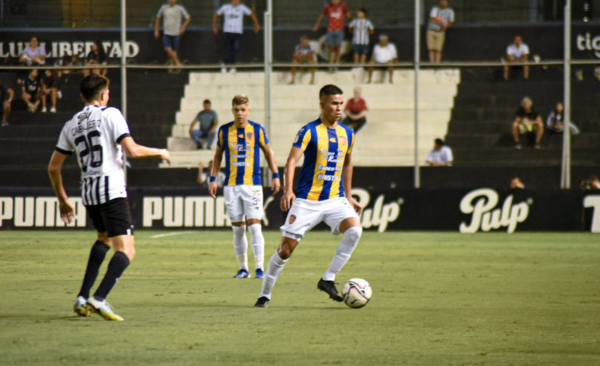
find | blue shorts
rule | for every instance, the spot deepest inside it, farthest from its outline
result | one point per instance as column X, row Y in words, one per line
column 360, row 49
column 171, row 41
column 335, row 38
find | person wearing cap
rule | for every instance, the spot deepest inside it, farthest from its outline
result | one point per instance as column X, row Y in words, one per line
column 384, row 52
column 441, row 155
column 527, row 120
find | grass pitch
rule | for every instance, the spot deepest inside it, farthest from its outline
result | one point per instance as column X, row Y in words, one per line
column 438, row 299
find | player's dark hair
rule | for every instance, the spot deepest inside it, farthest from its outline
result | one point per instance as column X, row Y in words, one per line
column 92, row 85
column 364, row 11
column 439, row 142
column 328, row 90
column 206, row 101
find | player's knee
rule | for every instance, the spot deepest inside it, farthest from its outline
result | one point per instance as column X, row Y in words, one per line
column 353, row 234
column 103, row 237
column 285, row 251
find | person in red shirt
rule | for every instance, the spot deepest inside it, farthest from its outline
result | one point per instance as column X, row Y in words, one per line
column 337, row 12
column 356, row 111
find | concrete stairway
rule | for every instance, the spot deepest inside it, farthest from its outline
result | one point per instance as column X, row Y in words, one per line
column 386, row 140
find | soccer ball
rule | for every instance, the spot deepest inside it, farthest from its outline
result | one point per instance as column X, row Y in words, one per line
column 356, row 293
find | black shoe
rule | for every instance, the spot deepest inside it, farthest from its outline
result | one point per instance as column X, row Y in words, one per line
column 329, row 287
column 262, row 302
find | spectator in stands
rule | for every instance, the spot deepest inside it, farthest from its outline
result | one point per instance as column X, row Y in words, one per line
column 555, row 123
column 49, row 87
column 233, row 28
column 64, row 61
column 591, row 183
column 75, row 61
column 5, row 106
column 304, row 53
column 173, row 28
column 440, row 19
column 356, row 111
column 96, row 56
column 517, row 52
column 203, row 176
column 337, row 11
column 383, row 53
column 441, row 155
column 516, row 183
column 33, row 54
column 207, row 121
column 32, row 90
column 362, row 29
column 526, row 121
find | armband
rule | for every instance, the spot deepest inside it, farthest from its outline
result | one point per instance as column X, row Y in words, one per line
column 275, row 175
column 212, row 179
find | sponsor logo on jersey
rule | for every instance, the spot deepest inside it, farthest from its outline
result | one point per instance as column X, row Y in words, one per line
column 241, row 136
column 328, row 178
column 332, row 140
column 329, row 168
column 241, row 163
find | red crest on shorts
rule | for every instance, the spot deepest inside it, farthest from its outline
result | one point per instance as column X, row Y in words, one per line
column 249, row 135
column 292, row 219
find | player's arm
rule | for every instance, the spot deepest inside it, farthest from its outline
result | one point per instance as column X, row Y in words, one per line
column 67, row 211
column 288, row 173
column 212, row 187
column 135, row 151
column 347, row 170
column 270, row 156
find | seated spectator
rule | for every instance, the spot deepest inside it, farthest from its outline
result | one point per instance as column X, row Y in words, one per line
column 32, row 90
column 356, row 111
column 64, row 61
column 441, row 155
column 527, row 120
column 362, row 29
column 591, row 183
column 5, row 103
column 207, row 121
column 555, row 123
column 97, row 56
column 49, row 87
column 75, row 61
column 516, row 183
column 304, row 54
column 203, row 176
column 33, row 54
column 383, row 53
column 517, row 52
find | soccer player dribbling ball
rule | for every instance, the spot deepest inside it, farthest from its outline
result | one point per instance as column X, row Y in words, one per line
column 323, row 193
column 98, row 135
column 241, row 140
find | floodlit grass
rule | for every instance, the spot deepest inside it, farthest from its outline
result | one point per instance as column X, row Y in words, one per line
column 438, row 299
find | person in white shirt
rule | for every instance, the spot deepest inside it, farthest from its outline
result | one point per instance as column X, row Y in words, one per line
column 99, row 136
column 440, row 19
column 362, row 29
column 173, row 28
column 383, row 53
column 33, row 54
column 517, row 52
column 233, row 28
column 441, row 155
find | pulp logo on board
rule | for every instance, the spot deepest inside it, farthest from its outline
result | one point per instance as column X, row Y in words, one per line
column 39, row 212
column 381, row 214
column 587, row 43
column 481, row 204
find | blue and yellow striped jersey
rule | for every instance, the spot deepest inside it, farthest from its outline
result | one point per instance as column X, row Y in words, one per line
column 242, row 155
column 325, row 149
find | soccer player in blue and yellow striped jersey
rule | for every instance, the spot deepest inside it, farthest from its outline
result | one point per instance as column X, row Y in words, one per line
column 323, row 193
column 240, row 141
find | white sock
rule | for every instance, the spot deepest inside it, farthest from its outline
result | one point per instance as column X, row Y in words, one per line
column 274, row 269
column 343, row 252
column 241, row 245
column 258, row 245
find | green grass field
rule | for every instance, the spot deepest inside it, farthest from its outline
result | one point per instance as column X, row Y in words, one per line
column 438, row 299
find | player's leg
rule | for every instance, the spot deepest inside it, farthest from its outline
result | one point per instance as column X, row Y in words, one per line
column 117, row 217
column 289, row 242
column 252, row 197
column 235, row 211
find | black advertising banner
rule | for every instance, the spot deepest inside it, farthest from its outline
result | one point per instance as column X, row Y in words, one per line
column 465, row 211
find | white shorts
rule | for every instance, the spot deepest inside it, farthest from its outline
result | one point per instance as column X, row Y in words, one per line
column 304, row 215
column 243, row 201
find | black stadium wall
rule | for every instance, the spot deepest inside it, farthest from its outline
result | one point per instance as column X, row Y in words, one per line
column 466, row 211
column 200, row 45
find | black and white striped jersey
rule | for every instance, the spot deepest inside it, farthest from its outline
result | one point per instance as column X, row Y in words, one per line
column 95, row 134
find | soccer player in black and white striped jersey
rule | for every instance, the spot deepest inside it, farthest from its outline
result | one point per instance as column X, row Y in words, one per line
column 362, row 29
column 98, row 135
